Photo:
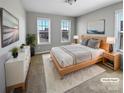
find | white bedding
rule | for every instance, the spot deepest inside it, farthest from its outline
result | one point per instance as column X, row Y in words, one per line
column 65, row 59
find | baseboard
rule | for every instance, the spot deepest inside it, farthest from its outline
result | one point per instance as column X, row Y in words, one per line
column 37, row 53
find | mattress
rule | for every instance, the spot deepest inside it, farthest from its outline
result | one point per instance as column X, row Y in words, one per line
column 83, row 54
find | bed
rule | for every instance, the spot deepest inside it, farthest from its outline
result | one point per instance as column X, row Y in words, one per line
column 71, row 58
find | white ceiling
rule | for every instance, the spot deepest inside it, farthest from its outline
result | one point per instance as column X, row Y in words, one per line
column 59, row 7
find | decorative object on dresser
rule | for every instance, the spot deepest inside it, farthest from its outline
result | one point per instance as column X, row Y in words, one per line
column 16, row 70
column 96, row 27
column 14, row 52
column 76, row 37
column 31, row 40
column 9, row 27
column 70, row 2
column 112, row 60
column 22, row 47
column 110, row 41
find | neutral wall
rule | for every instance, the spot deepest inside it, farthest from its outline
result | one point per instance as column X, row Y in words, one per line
column 55, row 29
column 14, row 7
column 107, row 13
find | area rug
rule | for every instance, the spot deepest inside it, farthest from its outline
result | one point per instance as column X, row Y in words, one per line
column 55, row 85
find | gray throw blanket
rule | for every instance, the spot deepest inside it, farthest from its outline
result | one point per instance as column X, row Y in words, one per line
column 78, row 53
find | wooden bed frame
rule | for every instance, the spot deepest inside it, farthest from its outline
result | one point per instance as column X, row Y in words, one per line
column 68, row 69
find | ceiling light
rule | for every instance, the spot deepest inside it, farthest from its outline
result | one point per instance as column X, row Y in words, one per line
column 70, row 1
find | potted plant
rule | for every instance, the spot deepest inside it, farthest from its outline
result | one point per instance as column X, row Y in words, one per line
column 14, row 52
column 22, row 46
column 31, row 40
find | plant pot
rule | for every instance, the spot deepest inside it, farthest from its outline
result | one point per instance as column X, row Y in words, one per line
column 15, row 55
column 32, row 51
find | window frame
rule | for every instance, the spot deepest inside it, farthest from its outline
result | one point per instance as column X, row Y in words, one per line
column 68, row 32
column 118, row 31
column 49, row 32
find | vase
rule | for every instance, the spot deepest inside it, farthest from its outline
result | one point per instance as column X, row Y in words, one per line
column 15, row 55
column 32, row 49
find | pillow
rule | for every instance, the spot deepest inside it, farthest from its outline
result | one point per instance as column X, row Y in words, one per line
column 84, row 42
column 94, row 43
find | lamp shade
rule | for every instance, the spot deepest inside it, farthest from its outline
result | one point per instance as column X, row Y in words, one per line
column 75, row 37
column 110, row 40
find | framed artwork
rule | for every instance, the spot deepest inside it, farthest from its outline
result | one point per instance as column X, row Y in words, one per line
column 96, row 27
column 9, row 26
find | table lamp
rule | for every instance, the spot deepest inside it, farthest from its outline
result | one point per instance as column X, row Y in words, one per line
column 110, row 41
column 75, row 37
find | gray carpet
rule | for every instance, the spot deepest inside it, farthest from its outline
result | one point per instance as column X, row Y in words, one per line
column 36, row 80
column 54, row 83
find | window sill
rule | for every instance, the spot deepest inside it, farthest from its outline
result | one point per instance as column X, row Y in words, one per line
column 43, row 43
column 121, row 51
column 65, row 41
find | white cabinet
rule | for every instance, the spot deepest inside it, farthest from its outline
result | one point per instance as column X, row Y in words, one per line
column 17, row 68
column 2, row 77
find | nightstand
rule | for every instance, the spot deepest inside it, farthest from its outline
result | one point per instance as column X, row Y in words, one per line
column 112, row 60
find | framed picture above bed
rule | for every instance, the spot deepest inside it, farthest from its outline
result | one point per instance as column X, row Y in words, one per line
column 9, row 27
column 96, row 27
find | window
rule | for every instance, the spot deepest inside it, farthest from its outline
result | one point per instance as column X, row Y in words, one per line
column 65, row 30
column 43, row 30
column 119, row 30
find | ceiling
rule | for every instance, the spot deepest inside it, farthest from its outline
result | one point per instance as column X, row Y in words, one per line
column 59, row 7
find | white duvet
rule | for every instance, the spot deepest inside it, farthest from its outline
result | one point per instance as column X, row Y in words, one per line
column 73, row 54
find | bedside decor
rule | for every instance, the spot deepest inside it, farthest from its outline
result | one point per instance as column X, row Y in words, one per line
column 110, row 41
column 9, row 27
column 96, row 27
column 14, row 52
column 76, row 37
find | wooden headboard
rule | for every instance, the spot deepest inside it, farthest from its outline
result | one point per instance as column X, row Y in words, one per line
column 103, row 43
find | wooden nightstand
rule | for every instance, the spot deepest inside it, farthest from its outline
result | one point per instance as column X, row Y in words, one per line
column 112, row 60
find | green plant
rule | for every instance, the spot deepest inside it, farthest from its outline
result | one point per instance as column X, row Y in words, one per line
column 31, row 40
column 14, row 50
column 22, row 46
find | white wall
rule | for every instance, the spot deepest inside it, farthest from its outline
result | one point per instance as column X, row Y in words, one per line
column 15, row 7
column 107, row 13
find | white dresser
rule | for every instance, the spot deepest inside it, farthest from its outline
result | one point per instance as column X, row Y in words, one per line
column 16, row 70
